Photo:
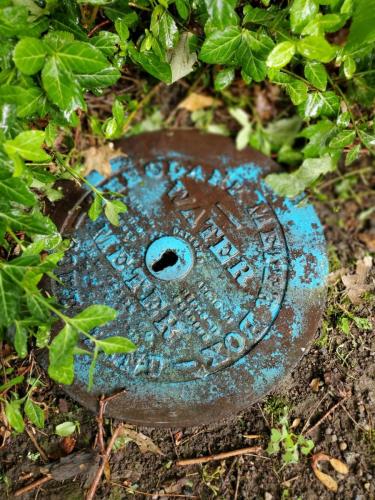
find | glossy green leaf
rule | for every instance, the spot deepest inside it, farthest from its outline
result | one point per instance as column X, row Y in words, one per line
column 252, row 54
column 81, row 57
column 342, row 139
column 164, row 27
column 9, row 300
column 352, row 155
column 349, row 67
column 316, row 47
column 65, row 429
column 28, row 145
column 220, row 47
column 301, row 12
column 221, row 14
column 96, row 208
column 113, row 345
column 281, row 55
column 20, row 339
column 316, row 74
column 297, row 91
column 153, row 65
column 29, row 55
column 14, row 189
column 61, row 86
column 362, row 29
column 183, row 8
column 61, row 360
column 223, row 79
column 14, row 415
column 34, row 413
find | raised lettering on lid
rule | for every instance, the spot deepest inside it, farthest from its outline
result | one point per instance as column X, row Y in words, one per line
column 219, row 282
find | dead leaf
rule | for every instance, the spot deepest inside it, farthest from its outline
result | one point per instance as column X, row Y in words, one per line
column 107, row 471
column 97, row 158
column 339, row 466
column 315, row 384
column 252, row 436
column 368, row 239
column 178, row 438
column 295, row 423
column 324, row 478
column 335, row 275
column 146, row 445
column 68, row 444
column 195, row 101
column 327, row 480
column 355, row 284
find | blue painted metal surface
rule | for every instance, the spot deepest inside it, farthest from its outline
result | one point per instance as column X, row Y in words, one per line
column 218, row 281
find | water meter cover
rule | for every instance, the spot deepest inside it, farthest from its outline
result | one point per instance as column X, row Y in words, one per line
column 219, row 282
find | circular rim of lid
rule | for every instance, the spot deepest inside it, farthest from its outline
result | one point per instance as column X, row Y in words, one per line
column 231, row 390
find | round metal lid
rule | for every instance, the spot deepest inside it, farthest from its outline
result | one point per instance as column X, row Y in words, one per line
column 219, row 282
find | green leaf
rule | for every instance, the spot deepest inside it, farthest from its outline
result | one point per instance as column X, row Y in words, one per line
column 106, row 42
column 352, row 155
column 113, row 209
column 221, row 14
column 14, row 415
column 15, row 190
column 11, row 383
column 28, row 145
column 104, row 78
column 164, row 28
column 122, row 29
column 20, row 339
column 9, row 300
column 316, row 47
column 252, row 54
column 321, row 104
column 316, row 74
column 29, row 55
column 301, row 12
column 324, row 24
column 81, row 57
column 34, row 413
column 35, row 223
column 152, row 64
column 362, row 29
column 61, row 360
column 96, row 208
column 342, row 139
column 112, row 345
column 223, row 79
column 37, row 307
column 93, row 316
column 297, row 91
column 349, row 67
column 60, row 85
column 183, row 8
column 281, row 55
column 220, row 47
column 65, row 429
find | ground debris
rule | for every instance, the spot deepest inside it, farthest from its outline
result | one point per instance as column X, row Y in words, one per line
column 145, row 444
column 194, row 102
column 324, row 478
column 355, row 284
column 98, row 158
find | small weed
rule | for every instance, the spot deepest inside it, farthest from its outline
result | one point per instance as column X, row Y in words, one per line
column 275, row 406
column 211, row 477
column 283, row 439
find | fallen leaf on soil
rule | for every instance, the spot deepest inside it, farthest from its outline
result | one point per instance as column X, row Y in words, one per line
column 355, row 284
column 295, row 423
column 68, row 444
column 324, row 478
column 315, row 384
column 368, row 239
column 146, row 445
column 195, row 101
column 98, row 159
column 335, row 275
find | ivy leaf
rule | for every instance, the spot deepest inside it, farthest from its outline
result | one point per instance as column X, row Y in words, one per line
column 9, row 300
column 34, row 413
column 362, row 29
column 93, row 316
column 106, row 42
column 81, row 57
column 152, row 64
column 252, row 54
column 321, row 104
column 61, row 360
column 301, row 12
column 224, row 78
column 297, row 91
column 220, row 47
column 221, row 14
column 104, row 78
column 164, row 28
column 28, row 145
column 316, row 47
column 281, row 55
column 183, row 8
column 352, row 155
column 15, row 190
column 316, row 74
column 65, row 429
column 60, row 85
column 342, row 139
column 113, row 345
column 29, row 55
column 14, row 415
column 113, row 209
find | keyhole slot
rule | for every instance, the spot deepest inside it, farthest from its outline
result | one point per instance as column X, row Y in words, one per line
column 168, row 259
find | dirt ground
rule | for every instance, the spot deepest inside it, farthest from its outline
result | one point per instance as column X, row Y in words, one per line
column 339, row 403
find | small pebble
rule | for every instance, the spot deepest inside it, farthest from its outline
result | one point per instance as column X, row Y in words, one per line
column 343, row 446
column 334, row 438
column 367, row 486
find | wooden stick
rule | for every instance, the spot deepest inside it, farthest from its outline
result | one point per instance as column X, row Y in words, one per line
column 321, row 420
column 42, row 453
column 219, row 456
column 32, row 486
column 94, row 486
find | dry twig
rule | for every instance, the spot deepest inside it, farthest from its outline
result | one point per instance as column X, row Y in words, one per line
column 32, row 486
column 219, row 456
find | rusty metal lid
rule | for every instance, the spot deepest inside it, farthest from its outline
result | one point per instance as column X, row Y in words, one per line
column 218, row 281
